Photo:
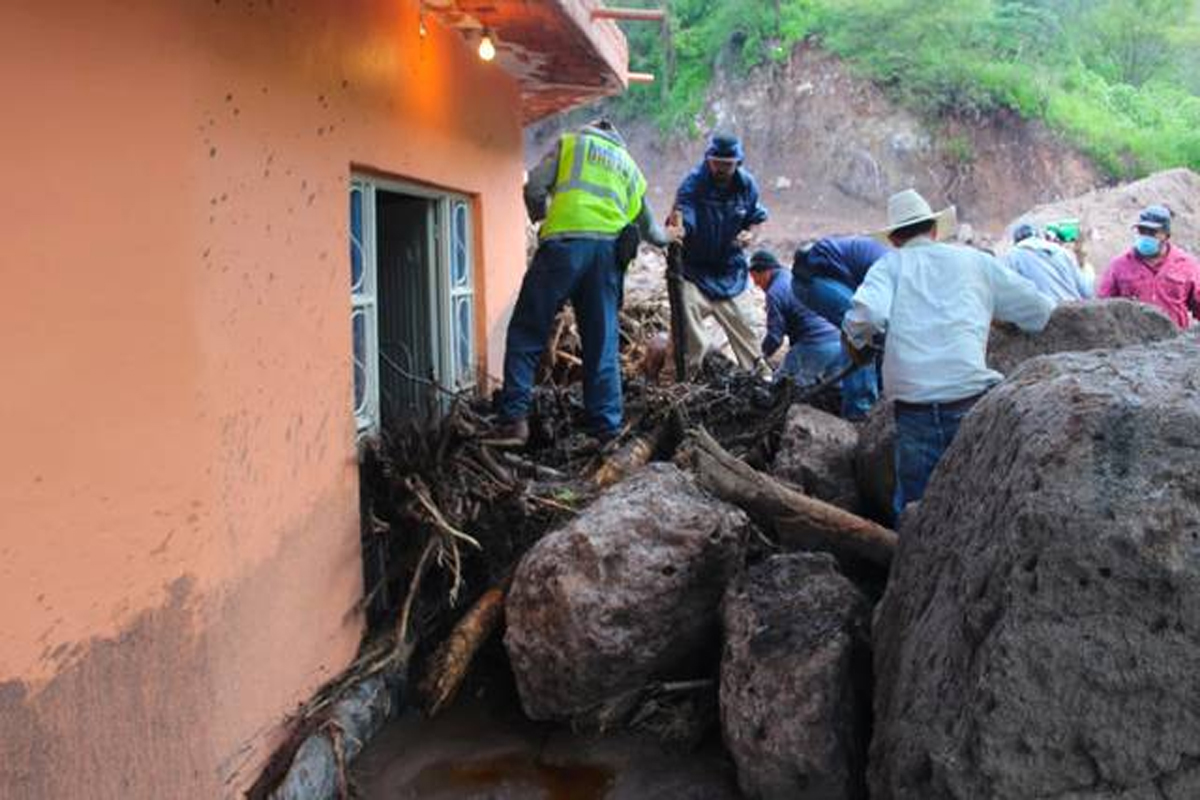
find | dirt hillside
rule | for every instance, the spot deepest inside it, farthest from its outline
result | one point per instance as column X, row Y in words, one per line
column 829, row 147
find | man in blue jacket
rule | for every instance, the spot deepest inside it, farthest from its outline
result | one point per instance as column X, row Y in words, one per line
column 814, row 346
column 720, row 210
column 826, row 274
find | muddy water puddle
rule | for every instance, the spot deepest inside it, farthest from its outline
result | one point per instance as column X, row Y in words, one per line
column 487, row 751
column 515, row 775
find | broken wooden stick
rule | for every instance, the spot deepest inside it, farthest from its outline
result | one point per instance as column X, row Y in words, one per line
column 796, row 519
column 403, row 648
column 449, row 666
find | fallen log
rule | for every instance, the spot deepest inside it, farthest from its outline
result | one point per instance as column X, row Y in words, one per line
column 450, row 663
column 632, row 456
column 795, row 519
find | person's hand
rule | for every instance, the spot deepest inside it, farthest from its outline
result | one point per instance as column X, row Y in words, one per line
column 674, row 228
column 745, row 239
column 859, row 357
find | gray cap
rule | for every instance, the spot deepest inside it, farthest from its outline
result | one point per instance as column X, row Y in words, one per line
column 1155, row 218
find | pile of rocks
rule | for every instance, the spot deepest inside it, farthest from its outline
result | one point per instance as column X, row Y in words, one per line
column 1039, row 635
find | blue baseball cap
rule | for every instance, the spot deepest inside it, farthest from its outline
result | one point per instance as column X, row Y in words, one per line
column 1155, row 218
column 725, row 146
column 1023, row 231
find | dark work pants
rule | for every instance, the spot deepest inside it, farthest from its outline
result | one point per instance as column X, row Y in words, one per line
column 583, row 271
column 923, row 433
column 832, row 299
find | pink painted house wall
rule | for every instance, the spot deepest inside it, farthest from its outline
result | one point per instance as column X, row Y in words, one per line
column 179, row 534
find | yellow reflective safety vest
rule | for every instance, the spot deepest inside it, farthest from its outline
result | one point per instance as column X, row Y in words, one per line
column 599, row 188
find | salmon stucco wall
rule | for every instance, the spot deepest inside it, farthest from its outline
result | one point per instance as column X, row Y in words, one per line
column 179, row 537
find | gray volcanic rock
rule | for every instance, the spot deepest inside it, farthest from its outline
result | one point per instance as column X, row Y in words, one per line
column 1088, row 325
column 1073, row 327
column 816, row 453
column 795, row 679
column 627, row 592
column 1040, row 635
column 874, row 460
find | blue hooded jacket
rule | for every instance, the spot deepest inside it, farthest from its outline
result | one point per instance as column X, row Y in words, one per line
column 844, row 259
column 713, row 216
column 787, row 316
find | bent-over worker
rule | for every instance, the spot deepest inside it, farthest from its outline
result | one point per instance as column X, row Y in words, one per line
column 1047, row 265
column 814, row 346
column 825, row 275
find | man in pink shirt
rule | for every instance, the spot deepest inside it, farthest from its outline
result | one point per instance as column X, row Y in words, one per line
column 1155, row 271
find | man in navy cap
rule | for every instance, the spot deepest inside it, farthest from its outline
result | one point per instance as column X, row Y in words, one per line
column 814, row 346
column 719, row 211
column 1155, row 271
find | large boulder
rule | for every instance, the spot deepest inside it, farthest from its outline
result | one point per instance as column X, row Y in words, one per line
column 1040, row 635
column 795, row 679
column 874, row 460
column 627, row 592
column 816, row 453
column 1089, row 325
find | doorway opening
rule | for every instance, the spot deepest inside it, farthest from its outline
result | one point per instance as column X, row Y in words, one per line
column 413, row 321
column 412, row 300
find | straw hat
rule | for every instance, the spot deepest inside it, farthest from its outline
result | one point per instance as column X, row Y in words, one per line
column 910, row 208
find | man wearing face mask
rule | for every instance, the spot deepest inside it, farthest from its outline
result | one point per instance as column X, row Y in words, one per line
column 1155, row 271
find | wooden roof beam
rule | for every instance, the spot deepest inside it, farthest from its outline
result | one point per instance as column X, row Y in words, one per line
column 633, row 14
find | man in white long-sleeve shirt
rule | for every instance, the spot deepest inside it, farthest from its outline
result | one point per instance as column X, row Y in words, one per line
column 934, row 303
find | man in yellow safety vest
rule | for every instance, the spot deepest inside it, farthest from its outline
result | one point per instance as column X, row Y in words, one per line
column 596, row 197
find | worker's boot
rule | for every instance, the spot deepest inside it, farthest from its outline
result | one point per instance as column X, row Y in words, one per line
column 510, row 433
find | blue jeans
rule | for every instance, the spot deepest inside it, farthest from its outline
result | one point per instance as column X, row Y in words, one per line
column 583, row 271
column 832, row 300
column 807, row 364
column 922, row 435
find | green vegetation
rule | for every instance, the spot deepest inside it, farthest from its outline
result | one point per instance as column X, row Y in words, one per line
column 1118, row 77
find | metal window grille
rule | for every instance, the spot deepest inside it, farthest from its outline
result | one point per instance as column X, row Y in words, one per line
column 462, row 296
column 445, row 315
column 364, row 309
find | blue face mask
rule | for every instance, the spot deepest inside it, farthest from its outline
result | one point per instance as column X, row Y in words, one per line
column 1147, row 246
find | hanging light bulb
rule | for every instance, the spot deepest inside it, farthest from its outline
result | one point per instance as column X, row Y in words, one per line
column 487, row 50
column 422, row 31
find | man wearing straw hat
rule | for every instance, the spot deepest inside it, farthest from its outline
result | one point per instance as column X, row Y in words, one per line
column 934, row 303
